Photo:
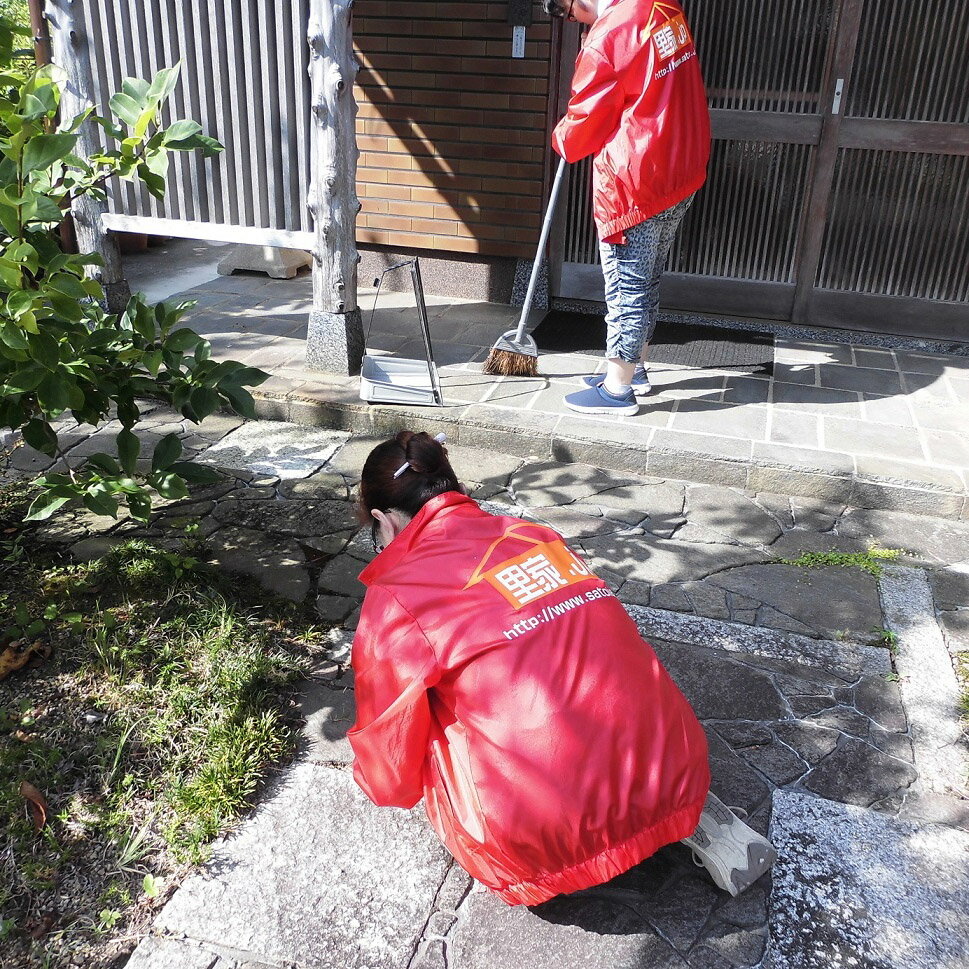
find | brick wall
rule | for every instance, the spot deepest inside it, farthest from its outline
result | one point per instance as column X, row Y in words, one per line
column 451, row 128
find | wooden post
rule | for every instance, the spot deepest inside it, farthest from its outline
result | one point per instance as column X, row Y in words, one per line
column 72, row 54
column 335, row 335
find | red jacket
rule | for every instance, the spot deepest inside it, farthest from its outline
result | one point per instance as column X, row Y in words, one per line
column 501, row 681
column 638, row 104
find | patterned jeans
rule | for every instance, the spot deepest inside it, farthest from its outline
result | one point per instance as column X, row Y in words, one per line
column 632, row 271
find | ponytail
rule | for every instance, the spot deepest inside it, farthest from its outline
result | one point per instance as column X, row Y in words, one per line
column 405, row 473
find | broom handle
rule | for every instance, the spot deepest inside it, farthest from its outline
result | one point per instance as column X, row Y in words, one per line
column 543, row 238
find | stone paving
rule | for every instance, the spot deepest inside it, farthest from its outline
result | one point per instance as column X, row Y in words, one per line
column 810, row 726
column 869, row 426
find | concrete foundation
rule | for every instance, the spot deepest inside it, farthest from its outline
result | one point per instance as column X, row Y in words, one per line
column 334, row 342
column 275, row 262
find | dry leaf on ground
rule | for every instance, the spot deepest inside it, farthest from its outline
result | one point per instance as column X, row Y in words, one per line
column 36, row 803
column 16, row 656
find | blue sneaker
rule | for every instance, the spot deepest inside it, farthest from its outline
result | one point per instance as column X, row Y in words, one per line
column 598, row 400
column 640, row 382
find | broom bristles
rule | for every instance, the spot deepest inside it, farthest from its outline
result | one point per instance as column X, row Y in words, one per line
column 506, row 363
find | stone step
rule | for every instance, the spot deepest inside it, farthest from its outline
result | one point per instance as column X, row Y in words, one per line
column 333, row 402
column 852, row 887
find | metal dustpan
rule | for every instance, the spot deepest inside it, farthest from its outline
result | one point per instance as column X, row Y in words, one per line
column 397, row 380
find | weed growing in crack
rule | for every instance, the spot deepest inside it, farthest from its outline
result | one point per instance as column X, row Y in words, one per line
column 870, row 561
column 884, row 637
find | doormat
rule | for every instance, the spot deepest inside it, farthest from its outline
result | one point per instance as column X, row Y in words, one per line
column 683, row 344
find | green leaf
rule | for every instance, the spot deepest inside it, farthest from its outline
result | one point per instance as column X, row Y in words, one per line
column 195, row 473
column 167, row 451
column 67, row 308
column 144, row 120
column 52, row 393
column 154, row 183
column 125, row 107
column 25, row 380
column 25, row 254
column 10, row 274
column 241, row 401
column 40, row 436
column 105, row 463
column 128, row 412
column 13, row 336
column 171, row 486
column 181, row 340
column 163, row 83
column 9, row 217
column 137, row 89
column 142, row 318
column 203, row 351
column 204, row 401
column 128, row 449
column 153, row 361
column 19, row 301
column 44, row 349
column 180, row 130
column 244, row 377
column 140, row 505
column 43, row 150
column 67, row 284
column 101, row 504
column 42, row 209
column 44, row 505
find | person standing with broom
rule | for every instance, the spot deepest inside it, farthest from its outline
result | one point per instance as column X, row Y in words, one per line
column 638, row 104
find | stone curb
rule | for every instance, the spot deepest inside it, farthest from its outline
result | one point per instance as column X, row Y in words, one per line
column 849, row 660
column 534, row 434
column 927, row 682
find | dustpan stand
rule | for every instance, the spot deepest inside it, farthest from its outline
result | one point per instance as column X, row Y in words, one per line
column 415, row 274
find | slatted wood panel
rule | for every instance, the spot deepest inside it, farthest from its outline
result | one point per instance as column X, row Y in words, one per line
column 899, row 219
column 243, row 77
column 913, row 62
column 899, row 226
column 744, row 223
column 451, row 128
column 762, row 55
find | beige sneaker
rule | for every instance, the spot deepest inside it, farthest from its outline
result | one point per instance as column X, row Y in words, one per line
column 734, row 854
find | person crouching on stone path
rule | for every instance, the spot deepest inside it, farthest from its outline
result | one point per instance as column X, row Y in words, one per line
column 639, row 106
column 500, row 680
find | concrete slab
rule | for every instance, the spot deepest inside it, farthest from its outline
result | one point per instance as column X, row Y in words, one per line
column 271, row 447
column 656, row 560
column 318, row 877
column 166, row 953
column 930, row 690
column 834, row 602
column 852, row 887
column 329, row 711
column 490, row 935
column 845, row 660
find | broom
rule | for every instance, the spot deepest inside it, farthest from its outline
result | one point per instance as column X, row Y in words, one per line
column 515, row 354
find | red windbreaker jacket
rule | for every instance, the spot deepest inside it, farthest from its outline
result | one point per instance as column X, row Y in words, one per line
column 500, row 680
column 638, row 104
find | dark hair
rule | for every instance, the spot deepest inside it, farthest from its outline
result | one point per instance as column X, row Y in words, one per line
column 429, row 474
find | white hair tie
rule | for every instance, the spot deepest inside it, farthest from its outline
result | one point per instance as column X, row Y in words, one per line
column 440, row 438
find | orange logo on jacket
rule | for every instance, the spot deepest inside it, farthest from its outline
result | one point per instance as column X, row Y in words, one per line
column 671, row 36
column 544, row 568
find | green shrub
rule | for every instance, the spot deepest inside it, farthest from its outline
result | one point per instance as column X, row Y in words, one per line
column 60, row 351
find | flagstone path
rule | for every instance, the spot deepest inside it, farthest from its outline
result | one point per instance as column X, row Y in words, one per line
column 811, row 726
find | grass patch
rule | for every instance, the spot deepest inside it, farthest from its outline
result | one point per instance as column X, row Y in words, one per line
column 156, row 706
column 870, row 561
